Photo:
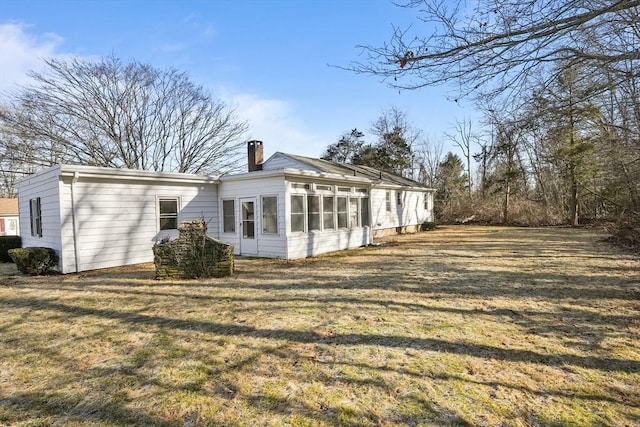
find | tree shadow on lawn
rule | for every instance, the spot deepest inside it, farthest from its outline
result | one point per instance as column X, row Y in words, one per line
column 223, row 329
column 48, row 407
column 399, row 282
column 112, row 412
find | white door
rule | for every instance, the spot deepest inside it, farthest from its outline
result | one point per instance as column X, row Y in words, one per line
column 248, row 227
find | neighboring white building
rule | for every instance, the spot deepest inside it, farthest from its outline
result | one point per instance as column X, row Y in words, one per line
column 9, row 219
column 287, row 207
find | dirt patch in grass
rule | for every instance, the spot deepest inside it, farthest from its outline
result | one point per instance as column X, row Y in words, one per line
column 457, row 326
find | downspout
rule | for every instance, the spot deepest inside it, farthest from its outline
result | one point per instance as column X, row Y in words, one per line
column 76, row 249
column 370, row 219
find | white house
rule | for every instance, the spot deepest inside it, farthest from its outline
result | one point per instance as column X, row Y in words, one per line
column 287, row 207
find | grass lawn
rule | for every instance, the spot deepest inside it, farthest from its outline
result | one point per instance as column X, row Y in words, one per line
column 458, row 326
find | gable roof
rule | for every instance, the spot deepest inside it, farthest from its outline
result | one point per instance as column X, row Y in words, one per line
column 376, row 175
column 8, row 206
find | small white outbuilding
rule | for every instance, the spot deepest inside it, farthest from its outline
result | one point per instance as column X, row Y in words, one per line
column 287, row 207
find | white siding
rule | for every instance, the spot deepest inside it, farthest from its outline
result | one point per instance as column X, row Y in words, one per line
column 302, row 245
column 45, row 186
column 411, row 212
column 117, row 220
column 269, row 245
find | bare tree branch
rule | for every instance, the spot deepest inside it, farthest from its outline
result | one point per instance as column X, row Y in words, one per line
column 494, row 46
column 130, row 115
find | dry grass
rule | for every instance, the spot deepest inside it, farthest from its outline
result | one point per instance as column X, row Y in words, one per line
column 459, row 326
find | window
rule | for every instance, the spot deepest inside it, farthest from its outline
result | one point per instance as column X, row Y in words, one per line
column 323, row 187
column 297, row 213
column 313, row 212
column 168, row 209
column 35, row 214
column 399, row 198
column 388, row 200
column 344, row 189
column 328, row 222
column 270, row 215
column 353, row 213
column 300, row 186
column 362, row 190
column 228, row 216
column 426, row 201
column 342, row 212
column 364, row 211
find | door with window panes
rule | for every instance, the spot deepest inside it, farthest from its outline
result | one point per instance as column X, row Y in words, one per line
column 248, row 227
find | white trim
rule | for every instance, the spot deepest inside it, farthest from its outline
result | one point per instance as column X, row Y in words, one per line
column 178, row 200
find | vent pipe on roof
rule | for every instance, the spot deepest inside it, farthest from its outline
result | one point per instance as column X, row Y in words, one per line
column 255, row 155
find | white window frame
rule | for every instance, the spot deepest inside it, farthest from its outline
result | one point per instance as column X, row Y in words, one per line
column 263, row 212
column 160, row 216
column 234, row 221
column 364, row 213
column 303, row 213
column 353, row 220
column 345, row 212
column 388, row 200
column 317, row 214
column 325, row 214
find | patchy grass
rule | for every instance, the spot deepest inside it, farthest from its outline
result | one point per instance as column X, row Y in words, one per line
column 458, row 326
column 8, row 269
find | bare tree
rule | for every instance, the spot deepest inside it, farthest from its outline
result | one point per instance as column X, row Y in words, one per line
column 493, row 46
column 132, row 115
column 16, row 161
column 463, row 137
column 429, row 155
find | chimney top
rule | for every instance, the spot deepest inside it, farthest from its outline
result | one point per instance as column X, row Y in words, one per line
column 255, row 155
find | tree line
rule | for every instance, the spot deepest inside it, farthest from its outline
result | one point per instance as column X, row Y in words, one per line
column 558, row 84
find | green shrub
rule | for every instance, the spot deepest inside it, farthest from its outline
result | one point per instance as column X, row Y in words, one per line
column 6, row 243
column 428, row 225
column 34, row 260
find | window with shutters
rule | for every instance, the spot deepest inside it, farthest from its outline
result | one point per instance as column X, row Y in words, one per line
column 35, row 214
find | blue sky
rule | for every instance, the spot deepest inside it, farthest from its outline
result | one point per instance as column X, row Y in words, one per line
column 268, row 59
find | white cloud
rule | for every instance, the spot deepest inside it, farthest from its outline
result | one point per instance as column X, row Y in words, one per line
column 274, row 122
column 22, row 52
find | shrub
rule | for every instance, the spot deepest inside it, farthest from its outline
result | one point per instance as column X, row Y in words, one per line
column 6, row 243
column 34, row 260
column 428, row 225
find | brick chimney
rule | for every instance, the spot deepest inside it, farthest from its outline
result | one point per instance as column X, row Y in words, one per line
column 256, row 156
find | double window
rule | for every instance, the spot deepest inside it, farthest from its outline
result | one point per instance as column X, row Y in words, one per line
column 35, row 215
